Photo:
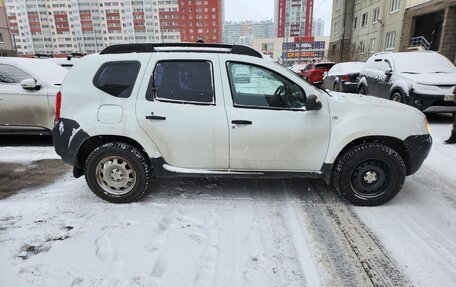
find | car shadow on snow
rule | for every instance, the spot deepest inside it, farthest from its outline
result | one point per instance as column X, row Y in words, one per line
column 308, row 191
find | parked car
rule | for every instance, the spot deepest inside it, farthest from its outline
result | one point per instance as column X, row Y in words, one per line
column 27, row 94
column 343, row 77
column 425, row 80
column 314, row 72
column 130, row 114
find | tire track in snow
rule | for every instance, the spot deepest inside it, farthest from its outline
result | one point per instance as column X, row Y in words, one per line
column 360, row 244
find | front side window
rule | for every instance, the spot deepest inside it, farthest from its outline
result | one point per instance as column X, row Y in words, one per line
column 12, row 75
column 117, row 78
column 253, row 86
column 183, row 81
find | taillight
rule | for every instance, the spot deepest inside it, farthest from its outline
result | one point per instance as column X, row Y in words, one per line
column 58, row 105
column 346, row 78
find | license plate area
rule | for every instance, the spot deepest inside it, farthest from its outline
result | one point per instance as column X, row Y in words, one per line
column 449, row 98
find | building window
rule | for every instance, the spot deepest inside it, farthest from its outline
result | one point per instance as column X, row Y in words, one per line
column 336, row 28
column 337, row 4
column 390, row 40
column 361, row 46
column 1, row 38
column 364, row 20
column 395, row 5
column 376, row 14
column 372, row 45
column 355, row 23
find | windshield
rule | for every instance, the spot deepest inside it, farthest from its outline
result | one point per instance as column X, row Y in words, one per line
column 423, row 63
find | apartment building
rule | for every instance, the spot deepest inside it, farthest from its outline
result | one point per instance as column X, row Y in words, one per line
column 430, row 24
column 245, row 32
column 362, row 27
column 293, row 18
column 87, row 26
column 318, row 27
column 6, row 44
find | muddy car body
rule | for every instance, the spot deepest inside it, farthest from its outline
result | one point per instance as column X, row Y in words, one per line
column 27, row 94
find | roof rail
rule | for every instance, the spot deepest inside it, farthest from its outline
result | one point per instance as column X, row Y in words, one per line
column 181, row 47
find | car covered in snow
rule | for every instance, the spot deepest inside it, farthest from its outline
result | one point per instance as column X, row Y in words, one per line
column 425, row 80
column 135, row 112
column 343, row 77
column 27, row 94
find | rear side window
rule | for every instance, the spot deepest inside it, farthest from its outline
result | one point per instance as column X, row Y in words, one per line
column 324, row 66
column 183, row 81
column 10, row 74
column 117, row 78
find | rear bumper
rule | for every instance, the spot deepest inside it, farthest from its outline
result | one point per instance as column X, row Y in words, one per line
column 419, row 147
column 68, row 138
column 350, row 87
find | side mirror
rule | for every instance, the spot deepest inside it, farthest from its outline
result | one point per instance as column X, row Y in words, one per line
column 313, row 103
column 389, row 72
column 30, row 84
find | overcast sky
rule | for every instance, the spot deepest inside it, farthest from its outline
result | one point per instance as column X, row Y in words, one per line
column 237, row 10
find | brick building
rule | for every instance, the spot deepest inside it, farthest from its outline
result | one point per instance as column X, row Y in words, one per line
column 87, row 26
column 6, row 44
column 293, row 18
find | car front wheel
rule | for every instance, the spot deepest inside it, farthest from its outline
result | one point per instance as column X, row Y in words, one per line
column 118, row 173
column 362, row 90
column 369, row 174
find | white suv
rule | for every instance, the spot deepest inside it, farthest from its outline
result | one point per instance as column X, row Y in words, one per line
column 139, row 111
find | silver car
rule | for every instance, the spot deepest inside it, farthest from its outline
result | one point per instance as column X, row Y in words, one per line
column 27, row 94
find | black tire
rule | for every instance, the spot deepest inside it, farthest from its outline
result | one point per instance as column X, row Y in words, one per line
column 362, row 90
column 118, row 173
column 336, row 87
column 369, row 174
column 397, row 96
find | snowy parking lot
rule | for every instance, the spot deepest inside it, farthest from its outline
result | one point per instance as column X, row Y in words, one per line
column 225, row 232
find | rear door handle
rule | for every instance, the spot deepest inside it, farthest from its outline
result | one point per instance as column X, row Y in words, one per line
column 241, row 122
column 159, row 118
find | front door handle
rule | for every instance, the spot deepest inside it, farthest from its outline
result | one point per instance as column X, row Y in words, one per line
column 159, row 118
column 241, row 122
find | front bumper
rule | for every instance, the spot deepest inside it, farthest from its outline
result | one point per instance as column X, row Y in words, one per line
column 68, row 138
column 419, row 147
column 431, row 103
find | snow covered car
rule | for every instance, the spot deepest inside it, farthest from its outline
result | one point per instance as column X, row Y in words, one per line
column 425, row 80
column 343, row 77
column 27, row 94
column 139, row 111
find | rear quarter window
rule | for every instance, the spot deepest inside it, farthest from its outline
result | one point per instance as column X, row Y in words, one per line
column 117, row 78
column 324, row 66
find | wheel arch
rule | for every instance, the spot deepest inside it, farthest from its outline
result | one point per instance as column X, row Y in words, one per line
column 363, row 83
column 90, row 144
column 396, row 144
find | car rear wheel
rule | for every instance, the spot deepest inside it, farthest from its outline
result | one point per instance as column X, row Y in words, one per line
column 397, row 97
column 336, row 87
column 369, row 174
column 118, row 173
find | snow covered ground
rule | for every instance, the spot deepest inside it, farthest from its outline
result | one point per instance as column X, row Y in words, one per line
column 199, row 232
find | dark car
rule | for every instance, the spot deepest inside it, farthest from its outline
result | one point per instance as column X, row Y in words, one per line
column 425, row 80
column 343, row 77
column 314, row 72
